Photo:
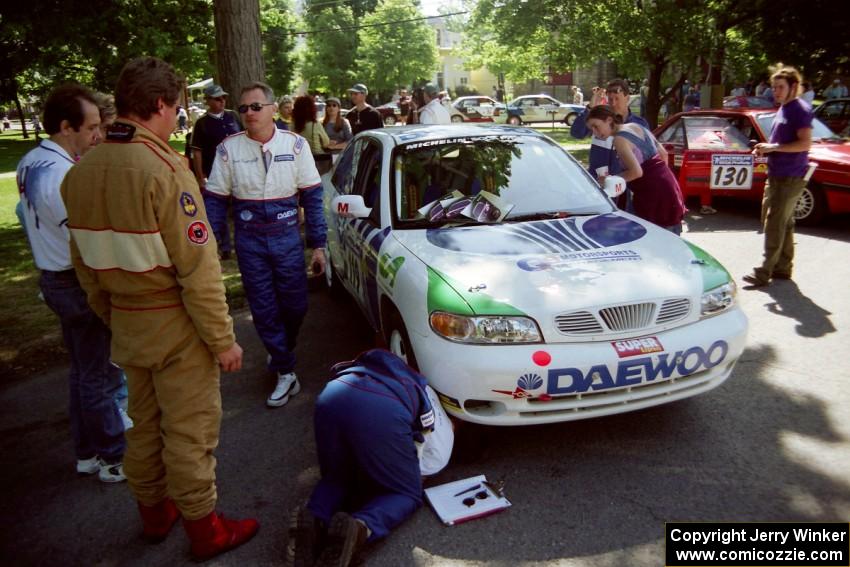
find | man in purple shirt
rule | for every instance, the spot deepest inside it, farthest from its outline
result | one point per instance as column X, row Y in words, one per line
column 787, row 161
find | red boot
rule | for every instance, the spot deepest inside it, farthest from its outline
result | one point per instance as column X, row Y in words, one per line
column 157, row 520
column 214, row 534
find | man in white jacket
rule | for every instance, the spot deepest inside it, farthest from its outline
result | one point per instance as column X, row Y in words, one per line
column 433, row 112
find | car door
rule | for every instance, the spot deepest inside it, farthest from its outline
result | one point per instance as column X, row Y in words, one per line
column 364, row 236
column 550, row 109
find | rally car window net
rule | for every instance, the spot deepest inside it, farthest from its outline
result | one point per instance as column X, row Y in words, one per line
column 714, row 133
column 489, row 179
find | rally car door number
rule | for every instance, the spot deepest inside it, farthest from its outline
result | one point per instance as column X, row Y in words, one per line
column 731, row 171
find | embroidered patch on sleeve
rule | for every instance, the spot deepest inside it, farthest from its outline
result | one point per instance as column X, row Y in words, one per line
column 222, row 152
column 198, row 233
column 187, row 203
column 299, row 144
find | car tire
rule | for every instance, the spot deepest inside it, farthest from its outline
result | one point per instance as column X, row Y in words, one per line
column 398, row 341
column 389, row 121
column 811, row 207
column 570, row 119
column 457, row 118
column 514, row 120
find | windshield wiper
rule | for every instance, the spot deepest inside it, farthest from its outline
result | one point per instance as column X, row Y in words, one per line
column 545, row 216
column 425, row 223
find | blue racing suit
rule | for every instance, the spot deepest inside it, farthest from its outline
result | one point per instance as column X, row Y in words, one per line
column 602, row 151
column 366, row 423
column 268, row 182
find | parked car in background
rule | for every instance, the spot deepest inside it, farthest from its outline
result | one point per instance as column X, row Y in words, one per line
column 491, row 261
column 390, row 112
column 736, row 101
column 835, row 113
column 477, row 109
column 527, row 109
column 710, row 150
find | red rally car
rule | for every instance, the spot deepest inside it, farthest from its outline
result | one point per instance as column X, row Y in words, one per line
column 710, row 152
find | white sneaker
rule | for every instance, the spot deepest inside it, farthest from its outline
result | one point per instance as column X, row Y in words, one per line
column 287, row 385
column 125, row 419
column 111, row 473
column 88, row 466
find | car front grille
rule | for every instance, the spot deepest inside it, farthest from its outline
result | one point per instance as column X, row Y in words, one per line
column 622, row 318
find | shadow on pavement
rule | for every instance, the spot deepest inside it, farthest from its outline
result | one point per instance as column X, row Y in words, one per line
column 812, row 319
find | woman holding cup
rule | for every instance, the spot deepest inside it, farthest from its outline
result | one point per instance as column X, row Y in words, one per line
column 656, row 195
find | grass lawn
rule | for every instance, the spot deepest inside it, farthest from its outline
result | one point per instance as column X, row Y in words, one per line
column 30, row 337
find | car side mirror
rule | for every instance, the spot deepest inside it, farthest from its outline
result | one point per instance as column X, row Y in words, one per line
column 350, row 206
column 614, row 186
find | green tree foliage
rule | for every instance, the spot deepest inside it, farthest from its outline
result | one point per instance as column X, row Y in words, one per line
column 396, row 54
column 278, row 22
column 329, row 58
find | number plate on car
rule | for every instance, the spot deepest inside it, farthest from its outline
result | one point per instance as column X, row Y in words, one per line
column 731, row 171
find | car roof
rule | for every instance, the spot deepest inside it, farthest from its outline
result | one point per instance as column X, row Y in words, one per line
column 423, row 132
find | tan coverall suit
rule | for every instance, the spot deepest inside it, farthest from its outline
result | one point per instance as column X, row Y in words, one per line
column 142, row 249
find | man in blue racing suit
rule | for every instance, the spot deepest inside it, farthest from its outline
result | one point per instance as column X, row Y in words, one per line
column 269, row 173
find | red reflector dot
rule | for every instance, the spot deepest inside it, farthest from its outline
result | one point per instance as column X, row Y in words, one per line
column 541, row 358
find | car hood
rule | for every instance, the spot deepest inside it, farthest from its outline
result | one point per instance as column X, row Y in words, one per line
column 830, row 151
column 543, row 268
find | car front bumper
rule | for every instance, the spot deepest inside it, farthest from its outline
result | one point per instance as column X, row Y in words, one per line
column 545, row 383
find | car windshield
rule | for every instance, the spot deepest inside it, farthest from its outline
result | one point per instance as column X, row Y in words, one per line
column 488, row 179
column 820, row 131
column 713, row 133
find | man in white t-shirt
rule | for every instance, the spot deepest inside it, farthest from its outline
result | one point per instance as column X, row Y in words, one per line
column 433, row 112
column 72, row 122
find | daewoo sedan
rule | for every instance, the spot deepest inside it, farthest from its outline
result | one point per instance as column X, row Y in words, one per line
column 710, row 151
column 491, row 260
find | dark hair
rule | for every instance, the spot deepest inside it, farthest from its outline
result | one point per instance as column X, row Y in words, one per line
column 417, row 101
column 303, row 111
column 66, row 103
column 603, row 112
column 619, row 84
column 339, row 122
column 259, row 86
column 142, row 82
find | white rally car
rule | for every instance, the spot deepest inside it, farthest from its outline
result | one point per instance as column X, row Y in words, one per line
column 491, row 260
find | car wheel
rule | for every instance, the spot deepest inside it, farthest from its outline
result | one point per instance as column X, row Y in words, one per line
column 457, row 118
column 398, row 341
column 811, row 206
column 515, row 120
column 570, row 119
column 389, row 121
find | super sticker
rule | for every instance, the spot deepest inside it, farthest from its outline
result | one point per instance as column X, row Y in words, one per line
column 198, row 233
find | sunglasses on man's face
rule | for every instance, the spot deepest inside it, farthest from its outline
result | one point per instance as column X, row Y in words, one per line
column 255, row 106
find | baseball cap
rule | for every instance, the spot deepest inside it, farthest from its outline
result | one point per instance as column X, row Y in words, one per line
column 431, row 89
column 359, row 88
column 214, row 91
column 332, row 99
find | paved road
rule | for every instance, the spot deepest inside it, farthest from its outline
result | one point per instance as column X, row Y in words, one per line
column 773, row 443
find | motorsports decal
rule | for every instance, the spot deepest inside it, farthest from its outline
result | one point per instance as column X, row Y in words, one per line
column 633, row 347
column 388, row 267
column 564, row 261
column 631, row 372
column 557, row 236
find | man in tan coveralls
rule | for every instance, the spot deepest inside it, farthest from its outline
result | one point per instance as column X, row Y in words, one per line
column 141, row 246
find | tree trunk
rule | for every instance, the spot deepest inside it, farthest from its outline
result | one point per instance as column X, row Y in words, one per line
column 238, row 45
column 21, row 116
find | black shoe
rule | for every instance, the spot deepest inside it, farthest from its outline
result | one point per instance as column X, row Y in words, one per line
column 307, row 535
column 753, row 281
column 345, row 538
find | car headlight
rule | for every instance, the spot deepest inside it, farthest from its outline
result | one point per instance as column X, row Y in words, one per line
column 718, row 299
column 485, row 329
